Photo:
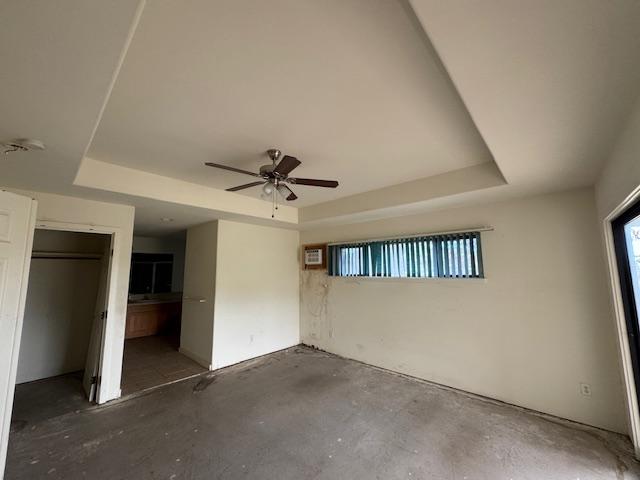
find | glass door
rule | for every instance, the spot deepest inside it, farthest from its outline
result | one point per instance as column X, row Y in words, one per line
column 626, row 234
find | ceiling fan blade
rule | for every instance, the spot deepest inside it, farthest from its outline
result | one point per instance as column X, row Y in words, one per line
column 314, row 182
column 231, row 169
column 247, row 185
column 286, row 165
column 286, row 192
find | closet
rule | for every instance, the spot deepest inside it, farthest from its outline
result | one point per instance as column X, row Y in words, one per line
column 60, row 310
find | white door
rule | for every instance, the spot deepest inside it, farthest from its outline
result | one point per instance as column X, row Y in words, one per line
column 17, row 224
column 92, row 370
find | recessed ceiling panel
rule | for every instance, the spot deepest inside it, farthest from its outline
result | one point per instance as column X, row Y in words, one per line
column 352, row 88
column 549, row 83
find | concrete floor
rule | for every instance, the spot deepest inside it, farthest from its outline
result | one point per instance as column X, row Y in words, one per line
column 38, row 401
column 301, row 414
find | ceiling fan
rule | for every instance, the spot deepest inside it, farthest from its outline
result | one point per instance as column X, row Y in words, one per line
column 275, row 177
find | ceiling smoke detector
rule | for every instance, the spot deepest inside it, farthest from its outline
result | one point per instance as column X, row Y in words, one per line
column 22, row 145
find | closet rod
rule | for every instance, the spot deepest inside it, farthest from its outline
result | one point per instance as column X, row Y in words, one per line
column 65, row 255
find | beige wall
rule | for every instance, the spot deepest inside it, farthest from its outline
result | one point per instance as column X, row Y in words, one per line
column 257, row 296
column 620, row 176
column 618, row 186
column 247, row 276
column 529, row 334
column 196, row 331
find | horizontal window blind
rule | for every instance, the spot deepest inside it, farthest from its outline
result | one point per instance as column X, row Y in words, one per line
column 457, row 255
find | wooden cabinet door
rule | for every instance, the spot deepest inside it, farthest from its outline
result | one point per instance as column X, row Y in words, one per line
column 142, row 321
column 151, row 319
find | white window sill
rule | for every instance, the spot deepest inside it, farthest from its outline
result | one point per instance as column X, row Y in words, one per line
column 407, row 279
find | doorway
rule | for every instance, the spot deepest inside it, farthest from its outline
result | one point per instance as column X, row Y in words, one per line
column 61, row 340
column 626, row 237
column 154, row 315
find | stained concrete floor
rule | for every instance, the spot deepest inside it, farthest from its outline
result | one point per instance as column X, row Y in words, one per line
column 35, row 402
column 301, row 414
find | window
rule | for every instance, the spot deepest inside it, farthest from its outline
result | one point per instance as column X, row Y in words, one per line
column 150, row 273
column 456, row 255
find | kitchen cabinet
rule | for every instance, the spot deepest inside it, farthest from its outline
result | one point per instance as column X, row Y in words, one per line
column 152, row 318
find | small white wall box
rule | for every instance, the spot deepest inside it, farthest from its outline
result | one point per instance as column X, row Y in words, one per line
column 315, row 257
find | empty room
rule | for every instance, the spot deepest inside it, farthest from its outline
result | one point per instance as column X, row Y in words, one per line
column 320, row 239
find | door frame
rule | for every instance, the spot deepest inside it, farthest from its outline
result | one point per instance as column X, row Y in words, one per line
column 627, row 290
column 110, row 337
column 624, row 350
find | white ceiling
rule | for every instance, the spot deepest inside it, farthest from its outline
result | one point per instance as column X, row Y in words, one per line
column 352, row 88
column 57, row 62
column 372, row 93
column 550, row 83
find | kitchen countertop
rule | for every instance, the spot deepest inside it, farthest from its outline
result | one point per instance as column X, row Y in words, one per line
column 154, row 300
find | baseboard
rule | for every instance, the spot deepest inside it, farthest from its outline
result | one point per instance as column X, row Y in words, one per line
column 547, row 416
column 196, row 358
column 240, row 362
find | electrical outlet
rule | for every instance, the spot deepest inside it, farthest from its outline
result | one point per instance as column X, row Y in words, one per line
column 585, row 389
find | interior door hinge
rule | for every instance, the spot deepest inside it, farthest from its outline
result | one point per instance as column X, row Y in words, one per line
column 95, row 380
column 103, row 315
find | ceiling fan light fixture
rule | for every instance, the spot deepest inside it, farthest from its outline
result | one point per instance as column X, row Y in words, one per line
column 267, row 188
column 276, row 177
column 284, row 191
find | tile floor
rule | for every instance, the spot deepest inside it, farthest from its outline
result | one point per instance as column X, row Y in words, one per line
column 153, row 361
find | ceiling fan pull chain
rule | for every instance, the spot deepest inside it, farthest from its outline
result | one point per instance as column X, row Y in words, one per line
column 273, row 204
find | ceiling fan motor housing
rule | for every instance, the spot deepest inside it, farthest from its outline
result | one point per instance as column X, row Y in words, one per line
column 266, row 169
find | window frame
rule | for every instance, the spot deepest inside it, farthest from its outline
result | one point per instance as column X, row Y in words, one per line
column 435, row 256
